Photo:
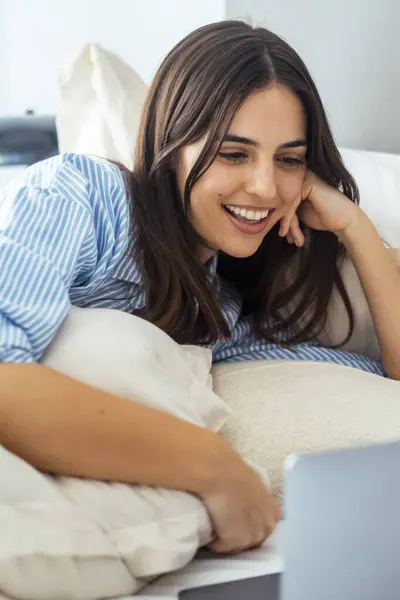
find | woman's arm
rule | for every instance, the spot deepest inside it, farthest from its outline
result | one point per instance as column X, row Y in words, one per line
column 60, row 425
column 324, row 208
column 380, row 279
column 63, row 426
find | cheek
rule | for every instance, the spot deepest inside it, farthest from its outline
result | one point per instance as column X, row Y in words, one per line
column 290, row 186
column 213, row 189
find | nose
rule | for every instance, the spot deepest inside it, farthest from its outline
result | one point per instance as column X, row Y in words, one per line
column 261, row 182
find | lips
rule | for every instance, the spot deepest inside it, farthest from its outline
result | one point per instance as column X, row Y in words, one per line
column 248, row 226
column 247, row 214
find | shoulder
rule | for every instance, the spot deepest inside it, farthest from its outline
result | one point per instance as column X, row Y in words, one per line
column 76, row 177
column 90, row 167
column 73, row 183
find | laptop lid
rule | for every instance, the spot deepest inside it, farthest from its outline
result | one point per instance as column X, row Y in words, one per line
column 342, row 530
column 265, row 587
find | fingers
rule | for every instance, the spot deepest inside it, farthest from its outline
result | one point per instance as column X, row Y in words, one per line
column 290, row 238
column 295, row 234
column 278, row 513
column 230, row 547
column 287, row 219
column 249, row 537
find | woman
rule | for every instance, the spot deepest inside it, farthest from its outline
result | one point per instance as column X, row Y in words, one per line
column 236, row 184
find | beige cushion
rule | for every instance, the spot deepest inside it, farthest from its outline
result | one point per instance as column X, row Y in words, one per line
column 64, row 538
column 279, row 407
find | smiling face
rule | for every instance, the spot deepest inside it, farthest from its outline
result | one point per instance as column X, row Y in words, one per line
column 255, row 178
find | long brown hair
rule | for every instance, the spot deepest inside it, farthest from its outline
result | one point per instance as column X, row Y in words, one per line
column 197, row 91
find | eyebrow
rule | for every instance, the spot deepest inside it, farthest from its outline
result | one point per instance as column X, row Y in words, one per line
column 244, row 140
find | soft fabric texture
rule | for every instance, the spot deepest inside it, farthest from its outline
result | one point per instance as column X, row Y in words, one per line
column 102, row 101
column 280, row 407
column 64, row 538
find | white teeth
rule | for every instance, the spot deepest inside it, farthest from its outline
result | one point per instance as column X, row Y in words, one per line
column 251, row 215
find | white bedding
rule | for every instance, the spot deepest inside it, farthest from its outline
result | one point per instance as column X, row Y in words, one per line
column 66, row 538
column 9, row 173
column 207, row 569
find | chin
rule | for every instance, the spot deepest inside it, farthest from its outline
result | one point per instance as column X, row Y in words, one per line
column 237, row 252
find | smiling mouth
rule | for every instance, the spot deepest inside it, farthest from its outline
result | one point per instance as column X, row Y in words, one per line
column 245, row 215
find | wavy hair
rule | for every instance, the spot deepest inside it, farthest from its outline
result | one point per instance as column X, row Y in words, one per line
column 197, row 91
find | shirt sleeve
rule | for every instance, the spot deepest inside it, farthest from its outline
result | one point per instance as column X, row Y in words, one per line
column 43, row 235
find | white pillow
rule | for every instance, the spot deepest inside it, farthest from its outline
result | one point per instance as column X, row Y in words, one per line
column 130, row 357
column 279, row 407
column 102, row 100
column 65, row 538
column 378, row 177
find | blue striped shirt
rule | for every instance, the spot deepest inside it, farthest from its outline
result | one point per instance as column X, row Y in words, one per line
column 66, row 238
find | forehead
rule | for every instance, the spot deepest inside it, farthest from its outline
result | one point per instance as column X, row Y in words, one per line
column 271, row 116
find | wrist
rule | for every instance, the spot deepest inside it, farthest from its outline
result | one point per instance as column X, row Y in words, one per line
column 357, row 225
column 219, row 461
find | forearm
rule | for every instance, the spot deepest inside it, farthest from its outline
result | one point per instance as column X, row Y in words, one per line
column 60, row 425
column 380, row 279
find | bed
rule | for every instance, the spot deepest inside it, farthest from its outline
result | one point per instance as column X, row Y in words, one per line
column 208, row 569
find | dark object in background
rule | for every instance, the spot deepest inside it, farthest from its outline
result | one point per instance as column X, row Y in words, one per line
column 26, row 140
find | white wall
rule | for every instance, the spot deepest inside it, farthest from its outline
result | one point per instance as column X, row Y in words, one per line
column 37, row 36
column 352, row 48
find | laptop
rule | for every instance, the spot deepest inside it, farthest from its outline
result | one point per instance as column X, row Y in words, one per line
column 341, row 532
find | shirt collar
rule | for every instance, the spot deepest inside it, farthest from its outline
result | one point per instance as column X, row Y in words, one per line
column 211, row 266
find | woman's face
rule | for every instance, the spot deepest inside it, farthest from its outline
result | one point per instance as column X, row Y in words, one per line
column 255, row 178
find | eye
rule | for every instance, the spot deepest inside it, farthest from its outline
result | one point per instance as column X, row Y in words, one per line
column 290, row 162
column 232, row 157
